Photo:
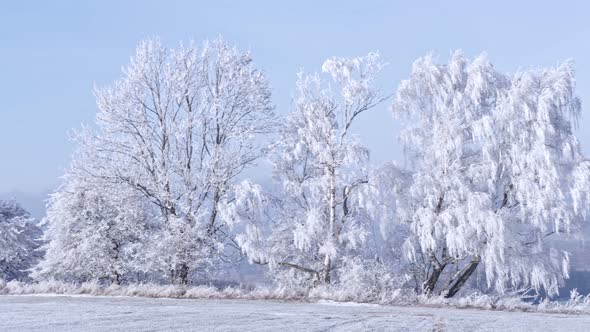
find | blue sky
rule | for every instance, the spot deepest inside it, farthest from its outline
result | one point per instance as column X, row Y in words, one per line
column 52, row 53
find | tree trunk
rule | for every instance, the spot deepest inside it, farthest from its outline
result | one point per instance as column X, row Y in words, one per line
column 116, row 278
column 463, row 276
column 437, row 269
column 181, row 274
column 332, row 223
column 433, row 279
column 216, row 198
column 327, row 270
column 117, row 249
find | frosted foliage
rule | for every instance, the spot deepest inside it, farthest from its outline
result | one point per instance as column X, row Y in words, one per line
column 248, row 209
column 172, row 134
column 317, row 216
column 157, row 192
column 93, row 232
column 370, row 279
column 494, row 170
column 19, row 241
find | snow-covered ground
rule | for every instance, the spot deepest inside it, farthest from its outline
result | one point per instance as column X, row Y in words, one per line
column 87, row 313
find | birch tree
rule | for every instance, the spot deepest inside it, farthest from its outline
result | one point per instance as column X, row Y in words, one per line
column 494, row 170
column 320, row 166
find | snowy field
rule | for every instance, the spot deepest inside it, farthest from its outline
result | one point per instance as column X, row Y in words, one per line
column 85, row 313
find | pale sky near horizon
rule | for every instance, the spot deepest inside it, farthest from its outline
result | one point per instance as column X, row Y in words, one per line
column 52, row 54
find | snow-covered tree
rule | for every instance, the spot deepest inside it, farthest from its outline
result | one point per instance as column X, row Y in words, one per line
column 20, row 239
column 316, row 218
column 94, row 229
column 494, row 170
column 171, row 136
column 91, row 235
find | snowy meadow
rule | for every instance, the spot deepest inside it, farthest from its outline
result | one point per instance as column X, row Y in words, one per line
column 157, row 201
